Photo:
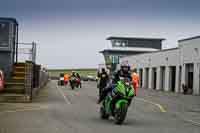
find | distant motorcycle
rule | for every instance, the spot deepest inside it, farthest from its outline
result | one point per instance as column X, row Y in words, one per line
column 73, row 82
column 78, row 82
column 117, row 104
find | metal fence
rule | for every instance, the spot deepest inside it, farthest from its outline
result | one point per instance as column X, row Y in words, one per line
column 35, row 76
column 35, row 79
column 26, row 52
column 28, row 80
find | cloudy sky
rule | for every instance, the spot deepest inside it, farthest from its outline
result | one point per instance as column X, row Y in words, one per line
column 70, row 33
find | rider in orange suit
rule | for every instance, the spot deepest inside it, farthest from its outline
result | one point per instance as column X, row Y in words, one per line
column 135, row 80
column 66, row 78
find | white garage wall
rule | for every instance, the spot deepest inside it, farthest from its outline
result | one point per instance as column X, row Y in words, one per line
column 161, row 58
column 190, row 51
column 187, row 52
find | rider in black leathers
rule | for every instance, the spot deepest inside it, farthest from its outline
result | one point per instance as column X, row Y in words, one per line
column 104, row 78
column 73, row 75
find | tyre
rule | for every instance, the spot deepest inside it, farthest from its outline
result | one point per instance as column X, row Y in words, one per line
column 72, row 86
column 62, row 83
column 120, row 114
column 103, row 114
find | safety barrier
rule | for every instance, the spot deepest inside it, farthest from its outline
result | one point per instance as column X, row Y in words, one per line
column 35, row 79
column 44, row 78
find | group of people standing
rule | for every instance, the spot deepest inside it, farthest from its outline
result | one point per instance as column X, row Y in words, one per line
column 106, row 82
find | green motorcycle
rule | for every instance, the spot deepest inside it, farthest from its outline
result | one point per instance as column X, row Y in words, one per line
column 117, row 104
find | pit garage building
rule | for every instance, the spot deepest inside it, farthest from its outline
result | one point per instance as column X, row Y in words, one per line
column 169, row 69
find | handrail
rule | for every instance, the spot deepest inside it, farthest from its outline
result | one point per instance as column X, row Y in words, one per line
column 27, row 43
column 31, row 51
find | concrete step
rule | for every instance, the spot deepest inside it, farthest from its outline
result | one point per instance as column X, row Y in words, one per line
column 19, row 73
column 14, row 83
column 18, row 77
column 14, row 98
column 19, row 64
column 14, row 89
column 17, row 80
column 19, row 68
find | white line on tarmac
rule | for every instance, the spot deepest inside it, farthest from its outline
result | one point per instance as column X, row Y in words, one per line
column 62, row 93
column 163, row 110
column 153, row 103
column 192, row 122
column 22, row 110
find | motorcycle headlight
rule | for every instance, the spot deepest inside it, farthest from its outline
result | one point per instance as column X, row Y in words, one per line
column 127, row 83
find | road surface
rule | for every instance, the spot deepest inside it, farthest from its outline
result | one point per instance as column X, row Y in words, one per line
column 62, row 110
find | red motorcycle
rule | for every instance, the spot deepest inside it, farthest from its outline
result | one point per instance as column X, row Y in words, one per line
column 78, row 82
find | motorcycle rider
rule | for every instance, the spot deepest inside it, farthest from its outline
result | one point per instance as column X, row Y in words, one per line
column 79, row 79
column 103, row 79
column 66, row 78
column 73, row 75
column 135, row 80
column 124, row 72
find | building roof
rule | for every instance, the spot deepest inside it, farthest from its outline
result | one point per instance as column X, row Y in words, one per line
column 125, row 49
column 9, row 19
column 190, row 38
column 158, row 51
column 134, row 38
column 119, row 52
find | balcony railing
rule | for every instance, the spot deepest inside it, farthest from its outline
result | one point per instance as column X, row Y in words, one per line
column 26, row 52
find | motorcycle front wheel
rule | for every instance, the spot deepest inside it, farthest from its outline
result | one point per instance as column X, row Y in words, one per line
column 120, row 114
column 72, row 86
column 103, row 114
